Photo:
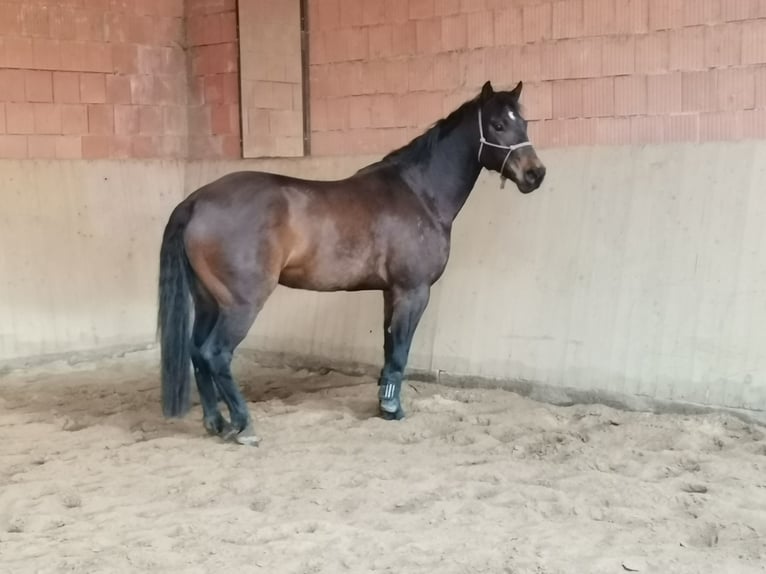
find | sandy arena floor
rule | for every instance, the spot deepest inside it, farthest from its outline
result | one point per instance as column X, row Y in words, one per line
column 93, row 480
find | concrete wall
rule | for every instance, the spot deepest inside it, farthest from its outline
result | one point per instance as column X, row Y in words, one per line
column 637, row 270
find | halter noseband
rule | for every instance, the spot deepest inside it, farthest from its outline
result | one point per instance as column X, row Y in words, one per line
column 511, row 148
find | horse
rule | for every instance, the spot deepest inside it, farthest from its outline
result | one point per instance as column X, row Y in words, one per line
column 386, row 227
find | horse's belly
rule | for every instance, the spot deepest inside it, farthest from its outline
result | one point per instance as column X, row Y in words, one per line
column 333, row 274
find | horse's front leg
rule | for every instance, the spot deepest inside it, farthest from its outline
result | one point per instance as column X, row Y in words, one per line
column 403, row 310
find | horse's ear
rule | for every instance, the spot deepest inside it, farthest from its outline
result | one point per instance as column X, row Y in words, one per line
column 486, row 90
column 516, row 92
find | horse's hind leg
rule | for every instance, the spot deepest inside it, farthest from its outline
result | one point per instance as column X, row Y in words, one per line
column 405, row 308
column 205, row 317
column 230, row 329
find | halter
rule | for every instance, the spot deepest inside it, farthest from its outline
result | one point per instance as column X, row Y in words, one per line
column 511, row 148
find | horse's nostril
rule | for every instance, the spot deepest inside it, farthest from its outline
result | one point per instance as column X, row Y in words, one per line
column 531, row 176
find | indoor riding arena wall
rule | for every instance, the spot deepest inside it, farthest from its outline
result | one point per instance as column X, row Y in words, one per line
column 637, row 270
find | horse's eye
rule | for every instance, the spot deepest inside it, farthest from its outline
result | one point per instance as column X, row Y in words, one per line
column 498, row 127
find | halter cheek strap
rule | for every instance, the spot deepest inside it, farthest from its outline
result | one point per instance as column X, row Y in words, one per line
column 511, row 148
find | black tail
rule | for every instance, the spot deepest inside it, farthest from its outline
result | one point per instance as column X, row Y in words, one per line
column 173, row 320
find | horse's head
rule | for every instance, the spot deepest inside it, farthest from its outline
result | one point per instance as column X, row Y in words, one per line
column 504, row 145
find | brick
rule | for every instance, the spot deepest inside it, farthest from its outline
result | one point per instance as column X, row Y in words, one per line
column 397, row 10
column 125, row 58
column 473, row 68
column 528, row 63
column 647, row 129
column 736, row 89
column 34, row 20
column 703, row 12
column 47, row 55
column 404, row 39
column 174, row 120
column 760, row 87
column 567, row 19
column 359, row 112
column 2, row 118
column 619, row 56
column 429, row 108
column 446, row 7
column 150, row 120
column 537, row 22
column 632, row 17
column 508, row 27
column 567, row 99
column 687, row 49
column 126, row 119
column 224, row 119
column 598, row 97
column 74, row 119
column 12, row 86
column 754, row 124
column 599, row 17
column 373, row 12
column 351, row 13
column 664, row 93
column 338, row 113
column 581, row 131
column 386, row 114
column 47, row 118
column 381, row 41
column 324, row 14
column 653, row 53
column 428, row 35
column 214, row 88
column 577, row 58
column 699, row 91
column 100, row 119
column 733, row 10
column 454, row 32
column 19, row 118
column 613, row 131
column 754, row 42
column 666, row 14
column 38, row 86
column 66, row 87
column 421, row 9
column 118, row 89
column 682, row 128
column 446, row 71
column 547, row 133
column 421, row 77
column 96, row 146
column 719, row 126
column 396, row 76
column 537, row 100
column 68, row 147
column 13, row 146
column 41, row 146
column 723, row 45
column 630, row 95
column 19, row 52
column 93, row 88
column 480, row 29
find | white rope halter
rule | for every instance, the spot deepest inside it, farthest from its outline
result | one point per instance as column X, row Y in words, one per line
column 511, row 148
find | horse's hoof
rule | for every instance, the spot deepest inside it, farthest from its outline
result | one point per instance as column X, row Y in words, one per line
column 218, row 427
column 246, row 436
column 396, row 415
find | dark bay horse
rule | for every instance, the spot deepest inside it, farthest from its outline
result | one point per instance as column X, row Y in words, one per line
column 387, row 227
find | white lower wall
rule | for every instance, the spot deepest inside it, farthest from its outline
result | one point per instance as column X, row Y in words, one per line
column 633, row 270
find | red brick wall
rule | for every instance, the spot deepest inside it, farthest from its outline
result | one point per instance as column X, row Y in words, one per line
column 92, row 79
column 595, row 71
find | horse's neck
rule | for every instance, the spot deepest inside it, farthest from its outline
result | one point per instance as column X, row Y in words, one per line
column 447, row 177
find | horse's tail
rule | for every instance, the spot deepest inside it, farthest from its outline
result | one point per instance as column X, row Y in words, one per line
column 173, row 320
